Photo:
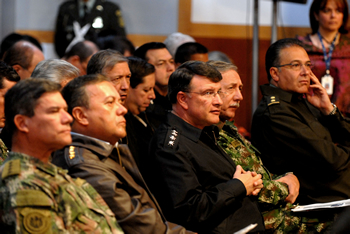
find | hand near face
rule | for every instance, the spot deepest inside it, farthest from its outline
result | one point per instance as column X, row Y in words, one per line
column 251, row 180
column 318, row 96
column 293, row 187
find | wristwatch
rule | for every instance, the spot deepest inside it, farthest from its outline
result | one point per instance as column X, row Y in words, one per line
column 334, row 109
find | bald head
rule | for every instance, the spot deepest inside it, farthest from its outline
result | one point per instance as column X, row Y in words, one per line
column 23, row 56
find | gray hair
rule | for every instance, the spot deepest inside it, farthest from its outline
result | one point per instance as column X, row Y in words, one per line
column 56, row 70
column 104, row 60
column 222, row 66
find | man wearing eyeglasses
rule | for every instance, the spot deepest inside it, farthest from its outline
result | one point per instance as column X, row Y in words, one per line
column 298, row 129
column 194, row 180
column 115, row 66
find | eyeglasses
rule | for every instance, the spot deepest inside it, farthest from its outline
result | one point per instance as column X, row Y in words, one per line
column 296, row 66
column 208, row 94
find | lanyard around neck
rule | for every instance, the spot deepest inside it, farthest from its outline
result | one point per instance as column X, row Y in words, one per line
column 328, row 58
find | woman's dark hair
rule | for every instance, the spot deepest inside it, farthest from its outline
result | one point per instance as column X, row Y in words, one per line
column 318, row 5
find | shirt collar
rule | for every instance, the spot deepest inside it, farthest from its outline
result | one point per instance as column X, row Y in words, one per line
column 184, row 128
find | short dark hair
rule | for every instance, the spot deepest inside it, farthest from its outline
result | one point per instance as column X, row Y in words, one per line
column 139, row 68
column 117, row 43
column 74, row 92
column 19, row 54
column 8, row 73
column 184, row 51
column 318, row 5
column 272, row 57
column 82, row 50
column 180, row 79
column 22, row 99
column 142, row 50
column 104, row 60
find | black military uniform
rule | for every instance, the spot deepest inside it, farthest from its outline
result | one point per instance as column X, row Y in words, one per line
column 192, row 180
column 293, row 135
column 104, row 17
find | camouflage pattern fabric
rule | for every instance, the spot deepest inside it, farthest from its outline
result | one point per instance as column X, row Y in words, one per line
column 3, row 152
column 277, row 214
column 37, row 197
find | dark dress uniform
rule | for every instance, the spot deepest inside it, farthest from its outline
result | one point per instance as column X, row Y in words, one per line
column 192, row 180
column 109, row 13
column 114, row 174
column 293, row 135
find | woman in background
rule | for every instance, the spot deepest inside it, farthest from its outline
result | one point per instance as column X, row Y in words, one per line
column 328, row 46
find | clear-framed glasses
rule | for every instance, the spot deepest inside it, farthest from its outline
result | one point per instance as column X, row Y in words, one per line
column 296, row 66
column 208, row 94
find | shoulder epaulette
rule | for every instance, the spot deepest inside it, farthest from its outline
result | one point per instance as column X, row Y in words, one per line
column 12, row 167
column 172, row 138
column 272, row 100
column 73, row 155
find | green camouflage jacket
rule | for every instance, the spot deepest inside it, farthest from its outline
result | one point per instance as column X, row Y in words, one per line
column 277, row 213
column 3, row 152
column 246, row 155
column 37, row 197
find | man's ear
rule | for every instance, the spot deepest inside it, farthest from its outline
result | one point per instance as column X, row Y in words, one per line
column 182, row 99
column 274, row 74
column 17, row 68
column 80, row 116
column 21, row 122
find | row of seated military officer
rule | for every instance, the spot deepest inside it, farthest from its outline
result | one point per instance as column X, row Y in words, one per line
column 69, row 170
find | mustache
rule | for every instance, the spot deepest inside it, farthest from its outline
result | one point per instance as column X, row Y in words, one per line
column 234, row 105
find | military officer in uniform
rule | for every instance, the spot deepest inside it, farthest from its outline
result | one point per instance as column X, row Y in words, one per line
column 280, row 191
column 88, row 19
column 35, row 195
column 98, row 125
column 194, row 180
column 297, row 128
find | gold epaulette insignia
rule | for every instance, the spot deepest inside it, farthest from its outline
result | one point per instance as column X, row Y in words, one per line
column 12, row 167
column 71, row 152
column 273, row 100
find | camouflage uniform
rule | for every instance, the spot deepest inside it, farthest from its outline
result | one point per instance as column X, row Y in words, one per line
column 277, row 213
column 37, row 197
column 3, row 152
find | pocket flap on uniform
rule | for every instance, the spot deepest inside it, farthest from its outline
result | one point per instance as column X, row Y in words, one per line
column 32, row 198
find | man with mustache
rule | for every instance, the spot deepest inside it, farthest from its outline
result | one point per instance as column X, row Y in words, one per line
column 98, row 125
column 194, row 180
column 114, row 65
column 298, row 129
column 280, row 191
column 35, row 195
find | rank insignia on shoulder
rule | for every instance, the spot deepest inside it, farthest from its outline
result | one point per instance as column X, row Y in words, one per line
column 171, row 138
column 12, row 167
column 271, row 100
column 73, row 155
